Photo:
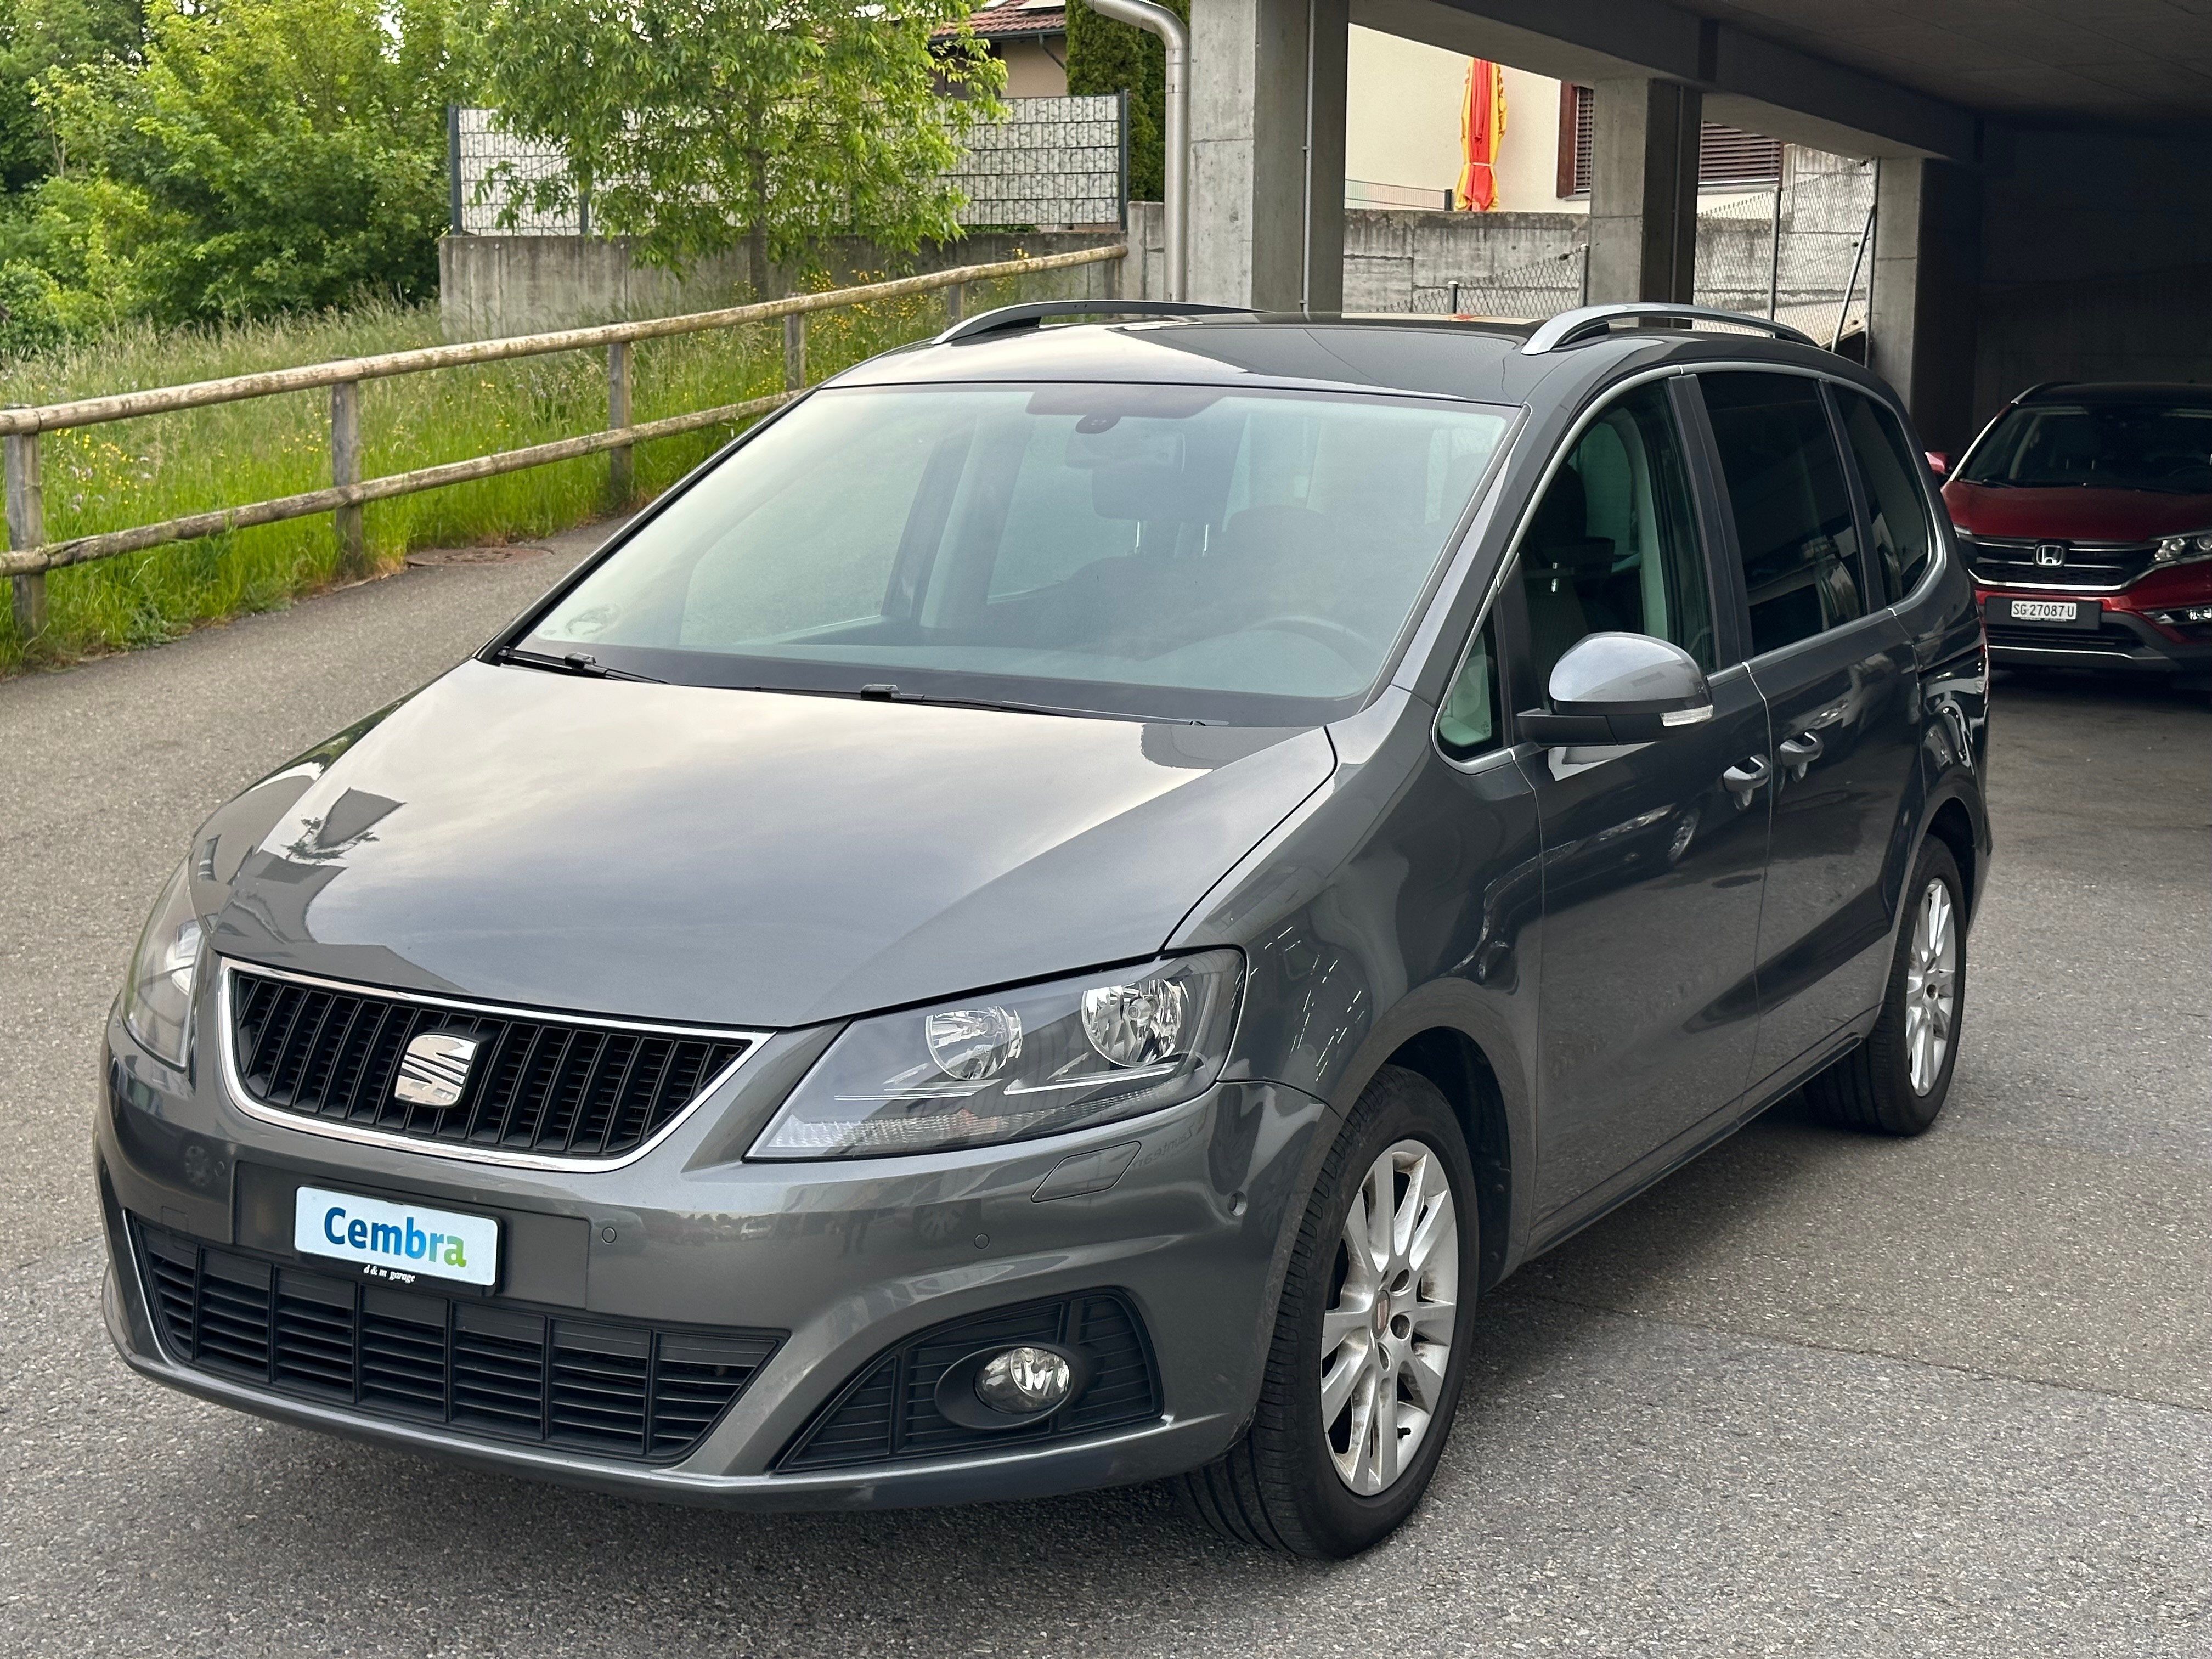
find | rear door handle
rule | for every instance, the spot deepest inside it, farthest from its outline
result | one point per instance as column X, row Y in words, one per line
column 1743, row 779
column 1802, row 749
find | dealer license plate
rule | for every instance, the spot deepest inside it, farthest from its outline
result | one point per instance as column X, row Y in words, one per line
column 2044, row 609
column 400, row 1242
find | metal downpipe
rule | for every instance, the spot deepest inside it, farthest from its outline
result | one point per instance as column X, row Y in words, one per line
column 1175, row 183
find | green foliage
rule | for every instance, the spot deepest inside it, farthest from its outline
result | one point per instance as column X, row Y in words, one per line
column 1106, row 57
column 49, row 34
column 30, row 313
column 36, row 39
column 140, row 471
column 268, row 155
column 699, row 126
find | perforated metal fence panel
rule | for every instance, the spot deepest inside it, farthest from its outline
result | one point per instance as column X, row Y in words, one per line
column 483, row 188
column 1053, row 164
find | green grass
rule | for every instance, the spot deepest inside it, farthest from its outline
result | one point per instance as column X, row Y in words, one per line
column 162, row 466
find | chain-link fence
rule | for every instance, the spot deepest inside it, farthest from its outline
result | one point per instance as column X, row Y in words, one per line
column 1802, row 254
column 1053, row 164
column 1537, row 288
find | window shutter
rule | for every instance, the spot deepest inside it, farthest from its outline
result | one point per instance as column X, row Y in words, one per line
column 1726, row 156
column 1729, row 155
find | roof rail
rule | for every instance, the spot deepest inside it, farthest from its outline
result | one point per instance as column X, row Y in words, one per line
column 1570, row 326
column 1026, row 316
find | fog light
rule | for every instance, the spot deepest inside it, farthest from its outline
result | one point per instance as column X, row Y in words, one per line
column 1024, row 1382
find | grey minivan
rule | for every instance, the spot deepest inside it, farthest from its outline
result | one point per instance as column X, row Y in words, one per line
column 1058, row 911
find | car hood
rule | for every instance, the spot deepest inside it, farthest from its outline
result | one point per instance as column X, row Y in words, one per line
column 729, row 857
column 2086, row 515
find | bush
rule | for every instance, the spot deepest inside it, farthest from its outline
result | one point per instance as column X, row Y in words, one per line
column 30, row 310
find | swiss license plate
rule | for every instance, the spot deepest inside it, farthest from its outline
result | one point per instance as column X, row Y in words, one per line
column 400, row 1242
column 2058, row 611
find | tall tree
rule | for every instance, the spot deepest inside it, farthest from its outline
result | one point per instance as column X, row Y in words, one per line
column 1106, row 57
column 700, row 126
column 268, row 155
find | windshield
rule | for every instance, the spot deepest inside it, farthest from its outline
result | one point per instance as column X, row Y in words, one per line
column 1157, row 551
column 2098, row 446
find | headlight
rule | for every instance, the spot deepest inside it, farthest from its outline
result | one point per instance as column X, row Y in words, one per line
column 1013, row 1063
column 157, row 997
column 2182, row 549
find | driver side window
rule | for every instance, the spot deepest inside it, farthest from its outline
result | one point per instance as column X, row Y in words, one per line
column 1614, row 544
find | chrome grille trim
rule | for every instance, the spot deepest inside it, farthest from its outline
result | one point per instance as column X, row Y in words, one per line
column 236, row 1092
column 2091, row 567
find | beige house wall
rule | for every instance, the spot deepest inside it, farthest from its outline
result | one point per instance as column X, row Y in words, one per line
column 1401, row 123
column 1032, row 71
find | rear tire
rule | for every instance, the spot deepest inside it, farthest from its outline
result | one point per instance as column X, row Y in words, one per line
column 1895, row 1083
column 1388, row 1325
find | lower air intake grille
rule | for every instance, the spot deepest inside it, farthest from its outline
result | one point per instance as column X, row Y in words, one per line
column 889, row 1410
column 544, row 1087
column 2028, row 636
column 495, row 1368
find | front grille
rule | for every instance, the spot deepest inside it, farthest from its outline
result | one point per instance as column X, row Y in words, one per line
column 495, row 1368
column 2096, row 565
column 889, row 1410
column 544, row 1087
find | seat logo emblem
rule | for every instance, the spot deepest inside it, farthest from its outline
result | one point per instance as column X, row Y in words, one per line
column 435, row 1069
column 2051, row 553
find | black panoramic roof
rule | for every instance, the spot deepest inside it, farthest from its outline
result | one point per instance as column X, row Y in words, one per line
column 1431, row 356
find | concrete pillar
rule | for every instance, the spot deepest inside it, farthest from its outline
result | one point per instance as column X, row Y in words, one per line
column 1265, row 74
column 1644, row 190
column 1927, row 290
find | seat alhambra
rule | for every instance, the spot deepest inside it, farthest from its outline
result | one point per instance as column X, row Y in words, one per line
column 1060, row 911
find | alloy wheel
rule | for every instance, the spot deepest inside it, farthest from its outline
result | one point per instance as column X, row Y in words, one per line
column 1931, row 981
column 1386, row 1337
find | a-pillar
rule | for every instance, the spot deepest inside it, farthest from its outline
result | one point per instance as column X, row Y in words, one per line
column 1927, row 282
column 1644, row 190
column 1266, row 209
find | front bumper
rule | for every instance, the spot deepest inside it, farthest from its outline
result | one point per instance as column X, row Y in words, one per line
column 2122, row 642
column 847, row 1259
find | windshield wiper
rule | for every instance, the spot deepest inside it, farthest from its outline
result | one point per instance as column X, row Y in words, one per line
column 576, row 662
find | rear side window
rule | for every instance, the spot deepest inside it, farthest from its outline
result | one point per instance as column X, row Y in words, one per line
column 1791, row 509
column 1902, row 537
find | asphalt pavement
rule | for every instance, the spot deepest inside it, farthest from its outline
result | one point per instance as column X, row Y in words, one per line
column 1816, row 1395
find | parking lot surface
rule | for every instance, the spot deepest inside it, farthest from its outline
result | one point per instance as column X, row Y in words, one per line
column 1817, row 1394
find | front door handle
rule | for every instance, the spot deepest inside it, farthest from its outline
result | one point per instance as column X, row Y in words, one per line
column 1743, row 779
column 1802, row 749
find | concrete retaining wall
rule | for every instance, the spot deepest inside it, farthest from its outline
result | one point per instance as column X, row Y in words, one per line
column 490, row 286
column 1396, row 259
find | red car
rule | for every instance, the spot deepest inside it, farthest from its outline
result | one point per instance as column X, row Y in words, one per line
column 2085, row 512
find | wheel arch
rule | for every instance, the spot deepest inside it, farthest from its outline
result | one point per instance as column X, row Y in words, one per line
column 1464, row 1040
column 1455, row 1062
column 1953, row 824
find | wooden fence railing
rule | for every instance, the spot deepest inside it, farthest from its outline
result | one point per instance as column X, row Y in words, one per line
column 30, row 555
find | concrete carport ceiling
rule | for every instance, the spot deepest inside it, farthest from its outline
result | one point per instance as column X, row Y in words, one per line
column 1867, row 77
column 2036, row 62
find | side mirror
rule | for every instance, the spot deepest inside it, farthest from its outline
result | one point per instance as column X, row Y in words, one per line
column 1938, row 463
column 1620, row 688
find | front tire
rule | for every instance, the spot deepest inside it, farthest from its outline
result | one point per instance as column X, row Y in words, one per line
column 1895, row 1083
column 1364, row 1373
